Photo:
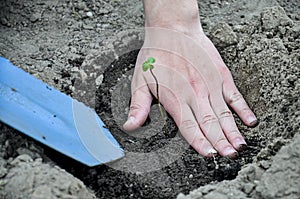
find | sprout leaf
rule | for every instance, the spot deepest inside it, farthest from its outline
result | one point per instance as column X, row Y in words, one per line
column 151, row 60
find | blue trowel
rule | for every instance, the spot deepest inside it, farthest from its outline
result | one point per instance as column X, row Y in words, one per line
column 53, row 118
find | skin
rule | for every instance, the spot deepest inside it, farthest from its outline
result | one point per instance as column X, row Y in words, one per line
column 196, row 87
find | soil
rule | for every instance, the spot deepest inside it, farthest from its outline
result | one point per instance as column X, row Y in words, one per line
column 88, row 49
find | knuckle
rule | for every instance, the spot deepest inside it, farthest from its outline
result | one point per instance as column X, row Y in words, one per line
column 209, row 118
column 188, row 125
column 246, row 110
column 221, row 141
column 225, row 114
column 197, row 141
column 139, row 107
column 235, row 97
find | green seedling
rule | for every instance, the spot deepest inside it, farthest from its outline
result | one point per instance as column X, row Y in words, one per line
column 148, row 65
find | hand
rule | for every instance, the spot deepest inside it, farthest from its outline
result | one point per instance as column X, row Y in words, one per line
column 195, row 88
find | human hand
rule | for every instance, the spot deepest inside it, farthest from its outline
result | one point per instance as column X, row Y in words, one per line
column 196, row 89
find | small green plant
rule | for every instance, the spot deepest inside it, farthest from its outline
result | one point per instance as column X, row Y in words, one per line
column 148, row 65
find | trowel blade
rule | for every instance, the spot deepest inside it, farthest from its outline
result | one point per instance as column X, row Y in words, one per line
column 53, row 118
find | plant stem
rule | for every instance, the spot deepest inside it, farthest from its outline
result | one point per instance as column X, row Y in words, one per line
column 157, row 94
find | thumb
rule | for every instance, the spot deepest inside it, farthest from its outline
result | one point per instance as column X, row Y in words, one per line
column 139, row 108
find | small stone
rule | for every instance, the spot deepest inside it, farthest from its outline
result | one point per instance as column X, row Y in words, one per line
column 3, row 182
column 88, row 27
column 105, row 25
column 89, row 14
column 99, row 80
column 83, row 75
column 3, row 172
column 265, row 164
column 81, row 5
column 274, row 17
column 21, row 158
column 74, row 69
column 248, row 187
column 4, row 21
column 222, row 35
column 3, row 169
column 104, row 11
column 93, row 75
column 45, row 64
column 22, row 150
column 35, row 17
column 40, row 69
column 37, row 162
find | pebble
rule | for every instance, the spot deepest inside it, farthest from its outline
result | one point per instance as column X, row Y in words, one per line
column 35, row 17
column 248, row 187
column 40, row 69
column 3, row 170
column 89, row 14
column 99, row 80
column 81, row 6
column 45, row 64
column 88, row 27
column 3, row 182
column 83, row 75
column 21, row 158
column 93, row 75
column 74, row 69
column 37, row 162
column 265, row 164
column 105, row 25
column 104, row 11
column 4, row 21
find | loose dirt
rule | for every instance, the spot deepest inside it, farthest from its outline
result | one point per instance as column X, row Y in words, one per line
column 88, row 49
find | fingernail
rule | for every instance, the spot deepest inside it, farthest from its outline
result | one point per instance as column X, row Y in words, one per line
column 234, row 155
column 240, row 144
column 252, row 120
column 243, row 147
column 230, row 152
column 129, row 120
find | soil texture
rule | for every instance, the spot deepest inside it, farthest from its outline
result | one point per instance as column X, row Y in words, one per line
column 87, row 49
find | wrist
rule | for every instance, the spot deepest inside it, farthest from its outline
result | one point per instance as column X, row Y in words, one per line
column 178, row 15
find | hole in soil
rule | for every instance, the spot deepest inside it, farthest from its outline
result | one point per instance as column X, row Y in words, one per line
column 188, row 172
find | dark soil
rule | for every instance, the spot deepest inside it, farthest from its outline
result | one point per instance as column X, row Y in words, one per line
column 188, row 172
column 56, row 41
